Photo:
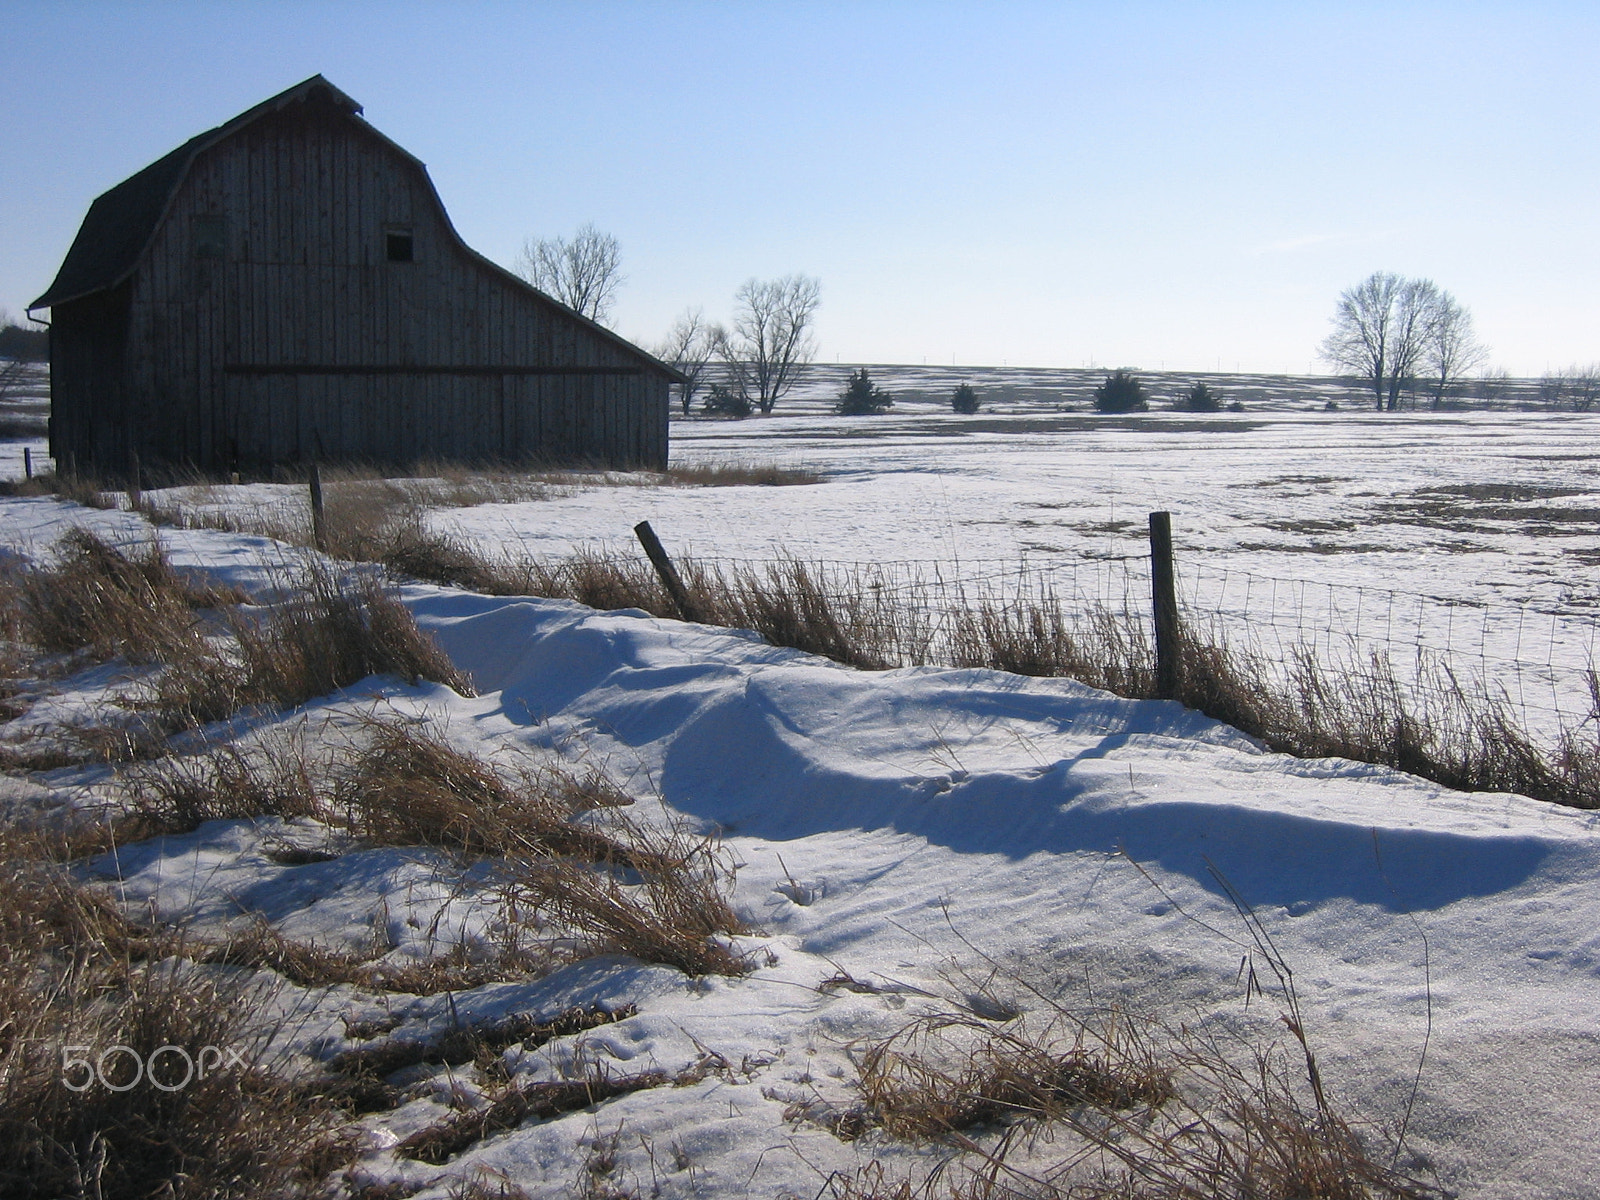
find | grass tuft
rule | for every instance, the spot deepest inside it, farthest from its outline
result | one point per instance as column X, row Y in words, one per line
column 78, row 980
column 409, row 787
column 529, row 1102
column 101, row 601
column 944, row 1074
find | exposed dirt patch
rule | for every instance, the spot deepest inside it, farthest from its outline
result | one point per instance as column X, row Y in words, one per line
column 1293, row 481
column 1489, row 508
column 1311, row 525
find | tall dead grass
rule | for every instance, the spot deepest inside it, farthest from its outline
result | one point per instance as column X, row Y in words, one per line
column 76, row 1117
column 1109, row 1105
column 199, row 651
column 655, row 894
column 576, row 875
column 97, row 599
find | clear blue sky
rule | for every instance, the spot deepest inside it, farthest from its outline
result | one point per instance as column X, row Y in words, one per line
column 1145, row 184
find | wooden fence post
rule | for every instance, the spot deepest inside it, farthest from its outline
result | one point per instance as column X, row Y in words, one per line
column 134, row 486
column 27, row 462
column 1164, row 600
column 666, row 571
column 319, row 521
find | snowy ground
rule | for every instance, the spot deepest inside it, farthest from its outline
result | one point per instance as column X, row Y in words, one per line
column 1474, row 533
column 916, row 829
column 919, row 828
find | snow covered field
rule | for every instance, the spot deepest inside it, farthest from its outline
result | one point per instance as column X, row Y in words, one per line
column 1474, row 533
column 973, row 839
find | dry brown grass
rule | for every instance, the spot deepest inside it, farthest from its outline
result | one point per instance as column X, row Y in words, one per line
column 1037, row 634
column 80, row 489
column 332, row 633
column 945, row 1074
column 407, row 786
column 619, row 887
column 102, row 601
column 77, row 979
column 176, row 793
column 527, row 1102
column 742, row 474
column 1429, row 724
column 338, row 631
column 1105, row 1118
column 669, row 916
column 478, row 1042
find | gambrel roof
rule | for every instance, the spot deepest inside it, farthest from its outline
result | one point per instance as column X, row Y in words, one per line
column 122, row 222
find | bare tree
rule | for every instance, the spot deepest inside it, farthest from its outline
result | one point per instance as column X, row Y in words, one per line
column 583, row 273
column 1583, row 386
column 1381, row 330
column 770, row 343
column 689, row 346
column 1493, row 383
column 1362, row 330
column 1450, row 347
column 1579, row 386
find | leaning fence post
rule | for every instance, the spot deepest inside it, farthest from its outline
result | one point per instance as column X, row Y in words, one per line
column 667, row 572
column 27, row 462
column 319, row 523
column 1164, row 600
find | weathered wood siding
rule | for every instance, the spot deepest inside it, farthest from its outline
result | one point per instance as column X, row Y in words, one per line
column 303, row 339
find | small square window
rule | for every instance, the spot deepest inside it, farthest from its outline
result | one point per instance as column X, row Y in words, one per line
column 210, row 236
column 399, row 245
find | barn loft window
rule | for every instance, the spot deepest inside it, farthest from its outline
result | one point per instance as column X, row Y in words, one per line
column 210, row 236
column 400, row 248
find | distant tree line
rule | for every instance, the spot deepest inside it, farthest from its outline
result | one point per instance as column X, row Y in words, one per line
column 23, row 345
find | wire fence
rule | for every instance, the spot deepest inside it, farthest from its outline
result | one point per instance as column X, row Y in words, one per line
column 1540, row 662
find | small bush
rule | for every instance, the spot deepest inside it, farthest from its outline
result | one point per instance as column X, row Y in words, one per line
column 965, row 399
column 722, row 402
column 861, row 398
column 1120, row 393
column 1201, row 398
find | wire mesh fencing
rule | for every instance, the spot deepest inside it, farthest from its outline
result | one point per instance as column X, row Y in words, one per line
column 1538, row 662
column 918, row 612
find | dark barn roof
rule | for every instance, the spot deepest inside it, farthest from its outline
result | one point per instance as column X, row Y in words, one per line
column 121, row 222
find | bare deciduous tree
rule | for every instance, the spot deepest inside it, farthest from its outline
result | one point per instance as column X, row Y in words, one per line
column 1451, row 348
column 1363, row 332
column 689, row 346
column 583, row 273
column 1578, row 386
column 1384, row 328
column 1493, row 383
column 770, row 342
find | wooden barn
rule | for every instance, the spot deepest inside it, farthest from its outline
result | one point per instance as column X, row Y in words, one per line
column 288, row 286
